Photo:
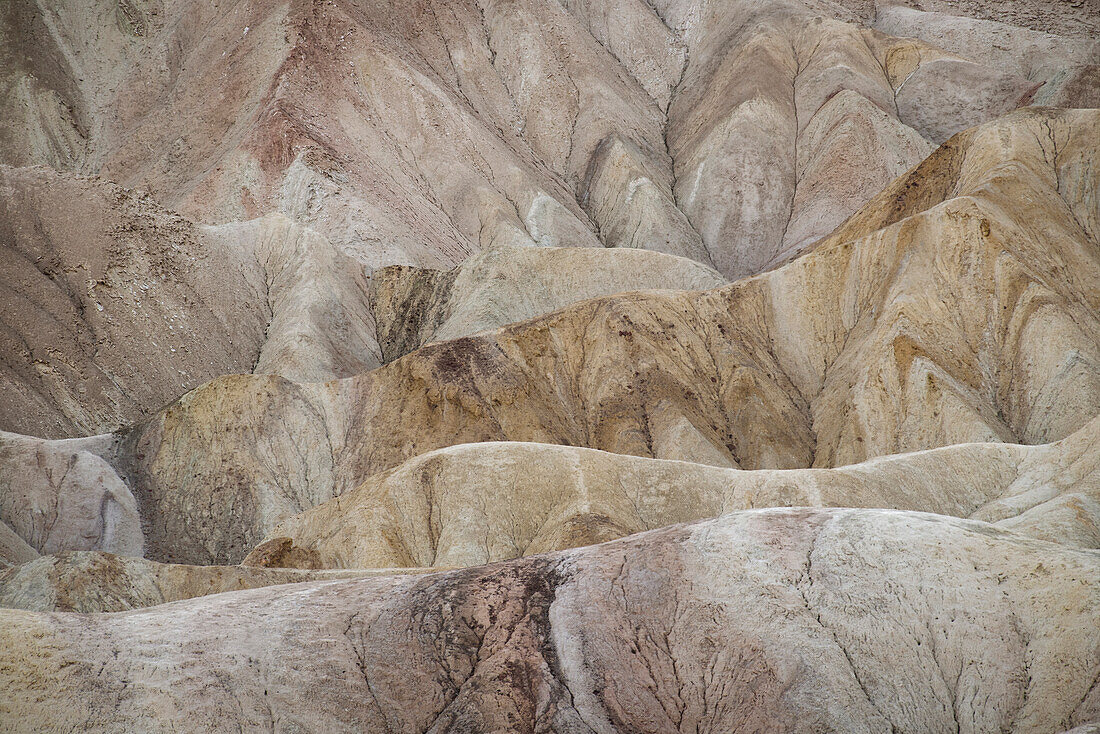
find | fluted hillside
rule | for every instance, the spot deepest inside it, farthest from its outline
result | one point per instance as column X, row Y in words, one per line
column 550, row 366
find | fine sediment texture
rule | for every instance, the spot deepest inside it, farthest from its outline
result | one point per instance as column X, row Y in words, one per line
column 794, row 619
column 576, row 365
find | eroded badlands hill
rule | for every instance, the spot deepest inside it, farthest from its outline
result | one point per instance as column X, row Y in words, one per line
column 478, row 503
column 531, row 498
column 854, row 351
column 676, row 376
column 347, row 292
column 792, row 619
column 115, row 306
column 735, row 132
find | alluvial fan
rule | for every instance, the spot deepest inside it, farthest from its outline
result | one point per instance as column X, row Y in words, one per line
column 550, row 365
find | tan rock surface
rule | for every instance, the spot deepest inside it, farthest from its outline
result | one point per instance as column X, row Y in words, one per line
column 448, row 128
column 801, row 620
column 112, row 305
column 42, row 116
column 62, row 496
column 507, row 284
column 757, row 76
column 95, row 582
column 1067, row 66
column 344, row 283
column 944, row 95
column 115, row 306
column 88, row 317
column 633, row 206
column 480, row 503
column 1071, row 18
column 848, row 137
column 853, row 351
column 13, row 549
column 320, row 324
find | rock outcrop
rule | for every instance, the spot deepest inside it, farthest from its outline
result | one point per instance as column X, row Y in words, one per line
column 1067, row 65
column 480, row 503
column 62, row 496
column 850, row 352
column 112, row 305
column 801, row 620
column 450, row 128
column 853, row 351
column 96, row 582
column 115, row 306
column 590, row 365
column 414, row 307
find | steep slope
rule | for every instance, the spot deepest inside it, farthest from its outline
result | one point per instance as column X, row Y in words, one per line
column 62, row 496
column 1068, row 18
column 850, row 352
column 13, row 549
column 550, row 365
column 1067, row 65
column 319, row 323
column 111, row 305
column 114, row 306
column 413, row 307
column 451, row 127
column 757, row 77
column 959, row 306
column 802, row 620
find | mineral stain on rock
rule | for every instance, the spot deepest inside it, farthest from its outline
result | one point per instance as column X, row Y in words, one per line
column 591, row 366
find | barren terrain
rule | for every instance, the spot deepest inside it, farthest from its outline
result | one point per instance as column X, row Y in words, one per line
column 550, row 365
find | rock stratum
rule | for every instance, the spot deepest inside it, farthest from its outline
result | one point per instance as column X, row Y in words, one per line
column 593, row 365
column 786, row 619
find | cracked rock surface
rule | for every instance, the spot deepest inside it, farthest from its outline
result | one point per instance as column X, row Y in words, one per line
column 550, row 366
column 787, row 618
column 854, row 351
